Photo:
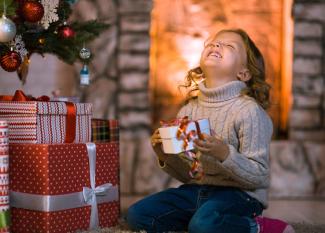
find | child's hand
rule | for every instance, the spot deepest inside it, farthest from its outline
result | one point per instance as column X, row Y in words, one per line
column 212, row 146
column 157, row 146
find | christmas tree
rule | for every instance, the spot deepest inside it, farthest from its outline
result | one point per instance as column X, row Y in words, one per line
column 32, row 26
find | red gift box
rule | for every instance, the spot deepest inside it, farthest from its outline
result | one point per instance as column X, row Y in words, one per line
column 48, row 186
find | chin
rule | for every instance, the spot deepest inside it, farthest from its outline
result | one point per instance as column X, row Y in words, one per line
column 210, row 64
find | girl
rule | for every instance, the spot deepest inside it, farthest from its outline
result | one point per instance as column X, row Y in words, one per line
column 232, row 191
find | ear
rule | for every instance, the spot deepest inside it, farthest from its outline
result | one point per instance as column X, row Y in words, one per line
column 244, row 75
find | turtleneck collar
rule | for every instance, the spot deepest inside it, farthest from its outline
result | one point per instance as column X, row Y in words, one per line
column 220, row 94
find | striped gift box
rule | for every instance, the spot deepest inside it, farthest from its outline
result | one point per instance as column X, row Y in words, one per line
column 4, row 178
column 45, row 122
column 104, row 130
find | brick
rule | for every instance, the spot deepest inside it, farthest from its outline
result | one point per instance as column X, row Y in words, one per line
column 305, row 118
column 308, row 30
column 135, row 6
column 135, row 23
column 138, row 62
column 310, row 11
column 316, row 158
column 134, row 42
column 304, row 101
column 134, row 118
column 134, row 81
column 309, row 47
column 307, row 135
column 290, row 174
column 310, row 66
column 134, row 100
column 304, row 84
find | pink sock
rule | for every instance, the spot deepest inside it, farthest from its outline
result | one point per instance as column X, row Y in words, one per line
column 269, row 225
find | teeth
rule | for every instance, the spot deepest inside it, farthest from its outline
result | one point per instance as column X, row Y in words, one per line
column 215, row 54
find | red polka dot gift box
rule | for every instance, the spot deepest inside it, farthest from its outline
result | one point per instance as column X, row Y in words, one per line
column 39, row 120
column 60, row 188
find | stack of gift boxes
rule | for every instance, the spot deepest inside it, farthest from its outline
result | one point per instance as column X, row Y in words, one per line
column 60, row 181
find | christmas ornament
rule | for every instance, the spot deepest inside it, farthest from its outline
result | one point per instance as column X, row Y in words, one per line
column 19, row 46
column 32, row 11
column 22, row 70
column 84, row 75
column 41, row 40
column 10, row 61
column 7, row 29
column 50, row 12
column 84, row 53
column 65, row 31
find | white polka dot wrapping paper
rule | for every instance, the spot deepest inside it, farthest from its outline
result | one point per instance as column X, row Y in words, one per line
column 46, row 122
column 58, row 175
column 4, row 177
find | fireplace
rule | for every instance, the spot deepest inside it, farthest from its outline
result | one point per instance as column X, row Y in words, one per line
column 178, row 31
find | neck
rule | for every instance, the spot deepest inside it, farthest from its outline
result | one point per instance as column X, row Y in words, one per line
column 216, row 80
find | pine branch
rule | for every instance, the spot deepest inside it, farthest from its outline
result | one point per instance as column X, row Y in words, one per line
column 40, row 40
column 11, row 7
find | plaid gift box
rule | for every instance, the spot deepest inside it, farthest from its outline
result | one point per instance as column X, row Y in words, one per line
column 104, row 130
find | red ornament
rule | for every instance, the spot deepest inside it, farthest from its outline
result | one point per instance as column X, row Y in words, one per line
column 32, row 11
column 10, row 61
column 66, row 32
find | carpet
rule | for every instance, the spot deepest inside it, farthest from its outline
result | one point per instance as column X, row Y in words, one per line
column 299, row 228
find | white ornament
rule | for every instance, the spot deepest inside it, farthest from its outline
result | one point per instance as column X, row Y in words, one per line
column 50, row 12
column 84, row 53
column 19, row 46
column 7, row 29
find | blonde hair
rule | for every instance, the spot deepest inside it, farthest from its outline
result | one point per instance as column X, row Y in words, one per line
column 257, row 87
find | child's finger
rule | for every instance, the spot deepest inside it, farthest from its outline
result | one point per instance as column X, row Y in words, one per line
column 202, row 149
column 208, row 138
column 204, row 144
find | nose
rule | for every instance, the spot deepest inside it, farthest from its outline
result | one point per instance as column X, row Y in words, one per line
column 218, row 45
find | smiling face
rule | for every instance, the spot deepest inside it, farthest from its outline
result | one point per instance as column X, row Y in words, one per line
column 224, row 55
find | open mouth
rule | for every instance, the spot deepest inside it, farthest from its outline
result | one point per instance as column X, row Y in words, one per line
column 215, row 54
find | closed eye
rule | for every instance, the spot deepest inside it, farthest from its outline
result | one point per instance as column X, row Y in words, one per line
column 230, row 46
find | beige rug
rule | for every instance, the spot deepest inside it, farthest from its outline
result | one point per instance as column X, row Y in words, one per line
column 299, row 228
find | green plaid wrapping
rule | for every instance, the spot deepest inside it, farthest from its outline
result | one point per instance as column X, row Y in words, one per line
column 104, row 130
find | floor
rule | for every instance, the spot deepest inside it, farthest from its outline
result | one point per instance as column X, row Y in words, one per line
column 295, row 211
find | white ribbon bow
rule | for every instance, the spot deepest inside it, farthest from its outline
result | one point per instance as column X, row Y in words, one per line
column 90, row 194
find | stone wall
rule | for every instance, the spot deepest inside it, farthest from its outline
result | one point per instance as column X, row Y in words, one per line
column 298, row 164
column 307, row 121
column 140, row 174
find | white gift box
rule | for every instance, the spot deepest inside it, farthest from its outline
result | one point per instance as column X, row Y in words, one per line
column 172, row 145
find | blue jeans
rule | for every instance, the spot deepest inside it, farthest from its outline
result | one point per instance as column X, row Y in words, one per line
column 196, row 209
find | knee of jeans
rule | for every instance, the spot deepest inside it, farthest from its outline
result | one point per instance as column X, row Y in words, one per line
column 204, row 224
column 196, row 225
column 133, row 217
column 137, row 220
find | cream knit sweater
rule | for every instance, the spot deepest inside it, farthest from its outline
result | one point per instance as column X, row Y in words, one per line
column 244, row 126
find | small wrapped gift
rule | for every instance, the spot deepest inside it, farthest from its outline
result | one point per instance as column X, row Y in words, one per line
column 104, row 130
column 178, row 135
column 39, row 120
column 62, row 188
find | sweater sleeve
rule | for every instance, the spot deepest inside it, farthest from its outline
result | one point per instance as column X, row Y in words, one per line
column 249, row 164
column 175, row 165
